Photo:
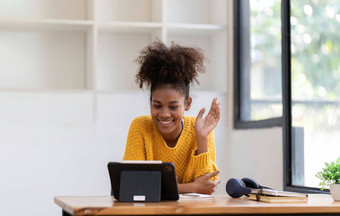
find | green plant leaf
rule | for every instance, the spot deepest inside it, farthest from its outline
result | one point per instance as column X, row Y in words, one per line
column 330, row 174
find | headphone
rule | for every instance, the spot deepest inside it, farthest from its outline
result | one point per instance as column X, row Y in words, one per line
column 239, row 187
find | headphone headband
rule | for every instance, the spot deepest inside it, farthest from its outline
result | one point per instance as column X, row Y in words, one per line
column 237, row 188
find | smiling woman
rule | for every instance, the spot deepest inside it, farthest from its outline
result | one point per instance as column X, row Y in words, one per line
column 167, row 135
column 167, row 110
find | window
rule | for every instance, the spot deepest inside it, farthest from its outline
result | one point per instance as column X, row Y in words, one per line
column 297, row 40
column 258, row 88
column 315, row 88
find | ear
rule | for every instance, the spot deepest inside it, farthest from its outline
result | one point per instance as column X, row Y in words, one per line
column 188, row 104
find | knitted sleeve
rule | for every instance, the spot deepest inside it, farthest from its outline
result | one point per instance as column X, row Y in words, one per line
column 135, row 148
column 203, row 163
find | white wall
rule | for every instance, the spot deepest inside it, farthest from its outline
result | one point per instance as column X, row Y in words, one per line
column 258, row 154
column 59, row 144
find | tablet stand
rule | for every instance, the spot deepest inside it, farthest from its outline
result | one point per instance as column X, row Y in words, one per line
column 144, row 186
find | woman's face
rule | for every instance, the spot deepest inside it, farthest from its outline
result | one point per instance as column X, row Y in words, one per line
column 167, row 110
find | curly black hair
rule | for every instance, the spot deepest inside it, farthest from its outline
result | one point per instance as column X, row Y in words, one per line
column 176, row 65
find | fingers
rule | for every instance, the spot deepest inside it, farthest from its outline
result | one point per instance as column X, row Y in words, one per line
column 205, row 185
column 217, row 181
column 215, row 109
column 214, row 183
column 214, row 100
column 210, row 175
column 201, row 112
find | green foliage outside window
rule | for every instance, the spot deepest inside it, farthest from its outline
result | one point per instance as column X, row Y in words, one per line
column 315, row 48
column 315, row 60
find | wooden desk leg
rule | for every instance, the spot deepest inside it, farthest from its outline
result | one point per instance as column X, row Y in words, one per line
column 66, row 213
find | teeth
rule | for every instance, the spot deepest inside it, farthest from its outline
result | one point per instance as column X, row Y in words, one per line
column 165, row 122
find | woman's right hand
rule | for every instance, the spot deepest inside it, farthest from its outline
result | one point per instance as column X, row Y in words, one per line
column 204, row 185
column 204, row 125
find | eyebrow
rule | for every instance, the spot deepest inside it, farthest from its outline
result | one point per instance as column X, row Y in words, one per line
column 171, row 102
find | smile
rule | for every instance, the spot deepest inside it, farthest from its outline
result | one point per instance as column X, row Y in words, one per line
column 165, row 122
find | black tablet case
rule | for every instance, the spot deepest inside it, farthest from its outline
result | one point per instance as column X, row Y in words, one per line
column 169, row 188
column 140, row 186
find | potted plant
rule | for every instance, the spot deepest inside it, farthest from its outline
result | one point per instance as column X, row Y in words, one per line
column 330, row 177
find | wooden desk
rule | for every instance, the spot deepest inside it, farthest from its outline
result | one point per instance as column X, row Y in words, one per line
column 318, row 204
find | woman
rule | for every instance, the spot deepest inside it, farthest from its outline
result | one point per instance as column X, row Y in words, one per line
column 167, row 135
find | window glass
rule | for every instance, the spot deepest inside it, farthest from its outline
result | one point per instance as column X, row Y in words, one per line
column 315, row 49
column 260, row 60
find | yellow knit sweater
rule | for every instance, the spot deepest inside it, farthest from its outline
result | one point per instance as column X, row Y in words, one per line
column 144, row 142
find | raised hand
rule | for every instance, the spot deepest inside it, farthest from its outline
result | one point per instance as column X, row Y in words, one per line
column 204, row 126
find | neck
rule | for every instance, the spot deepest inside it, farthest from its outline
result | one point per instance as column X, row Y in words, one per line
column 172, row 141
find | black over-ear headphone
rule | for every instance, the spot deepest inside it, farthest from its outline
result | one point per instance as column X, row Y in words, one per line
column 239, row 187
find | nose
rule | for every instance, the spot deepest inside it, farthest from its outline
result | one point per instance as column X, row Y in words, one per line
column 165, row 113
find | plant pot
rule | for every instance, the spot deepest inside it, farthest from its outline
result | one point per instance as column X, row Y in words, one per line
column 335, row 191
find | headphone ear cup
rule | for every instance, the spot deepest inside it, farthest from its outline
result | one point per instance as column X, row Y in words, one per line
column 251, row 183
column 236, row 188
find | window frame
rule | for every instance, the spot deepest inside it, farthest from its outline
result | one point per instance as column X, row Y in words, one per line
column 286, row 120
column 238, row 122
column 287, row 105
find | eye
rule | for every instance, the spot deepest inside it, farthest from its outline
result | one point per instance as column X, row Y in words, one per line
column 156, row 106
column 173, row 107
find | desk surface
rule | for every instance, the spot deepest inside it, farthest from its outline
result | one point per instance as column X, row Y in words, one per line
column 218, row 204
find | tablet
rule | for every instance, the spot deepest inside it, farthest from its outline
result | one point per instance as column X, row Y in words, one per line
column 168, row 184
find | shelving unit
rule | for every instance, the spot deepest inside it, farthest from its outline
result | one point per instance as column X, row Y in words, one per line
column 68, row 91
column 91, row 44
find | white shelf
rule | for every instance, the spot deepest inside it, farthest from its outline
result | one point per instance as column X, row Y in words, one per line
column 194, row 29
column 57, row 91
column 129, row 27
column 45, row 9
column 45, row 25
column 92, row 44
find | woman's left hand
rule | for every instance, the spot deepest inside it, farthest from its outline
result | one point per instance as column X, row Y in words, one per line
column 204, row 185
column 204, row 126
